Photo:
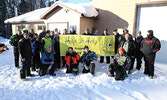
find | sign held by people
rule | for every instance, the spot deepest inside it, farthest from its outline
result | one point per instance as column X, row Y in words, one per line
column 101, row 45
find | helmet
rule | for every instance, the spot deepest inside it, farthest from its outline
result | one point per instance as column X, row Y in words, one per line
column 25, row 29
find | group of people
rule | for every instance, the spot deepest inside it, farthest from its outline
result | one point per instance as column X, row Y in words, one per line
column 43, row 52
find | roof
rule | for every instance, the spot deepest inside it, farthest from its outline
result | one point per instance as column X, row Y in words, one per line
column 33, row 16
column 85, row 9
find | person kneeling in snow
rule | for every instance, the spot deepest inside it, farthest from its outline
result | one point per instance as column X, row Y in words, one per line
column 88, row 60
column 72, row 61
column 120, row 64
column 47, row 60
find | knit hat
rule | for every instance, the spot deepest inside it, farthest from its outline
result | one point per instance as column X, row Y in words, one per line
column 150, row 33
column 121, row 49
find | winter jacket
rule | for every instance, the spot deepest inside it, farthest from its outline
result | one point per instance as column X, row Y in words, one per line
column 36, row 47
column 86, row 58
column 131, row 47
column 25, row 49
column 150, row 45
column 72, row 59
column 118, row 40
column 45, row 42
column 138, row 44
column 72, row 33
column 56, row 46
column 15, row 39
column 121, row 61
column 47, row 58
column 41, row 35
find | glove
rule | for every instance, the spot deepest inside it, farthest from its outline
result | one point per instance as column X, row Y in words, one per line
column 86, row 67
column 92, row 61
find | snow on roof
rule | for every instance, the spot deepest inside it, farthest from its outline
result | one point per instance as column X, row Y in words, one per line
column 86, row 8
column 32, row 16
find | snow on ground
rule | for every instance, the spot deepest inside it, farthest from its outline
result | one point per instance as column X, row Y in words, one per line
column 81, row 87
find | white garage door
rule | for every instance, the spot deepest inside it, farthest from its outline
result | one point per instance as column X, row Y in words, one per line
column 59, row 26
column 154, row 18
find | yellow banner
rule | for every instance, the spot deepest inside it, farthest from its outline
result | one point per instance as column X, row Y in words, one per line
column 101, row 45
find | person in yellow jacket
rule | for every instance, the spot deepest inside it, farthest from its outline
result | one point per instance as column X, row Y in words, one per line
column 46, row 42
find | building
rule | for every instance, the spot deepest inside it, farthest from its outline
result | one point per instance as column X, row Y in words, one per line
column 59, row 15
column 134, row 15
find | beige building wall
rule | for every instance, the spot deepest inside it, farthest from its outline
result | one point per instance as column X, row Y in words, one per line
column 29, row 26
column 63, row 15
column 115, row 14
column 86, row 23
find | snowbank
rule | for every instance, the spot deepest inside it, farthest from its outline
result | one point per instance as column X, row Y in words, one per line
column 82, row 87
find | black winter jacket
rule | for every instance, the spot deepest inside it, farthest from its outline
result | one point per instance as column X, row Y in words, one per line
column 150, row 45
column 25, row 49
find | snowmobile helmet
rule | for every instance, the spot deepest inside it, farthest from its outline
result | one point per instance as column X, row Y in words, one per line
column 25, row 30
column 150, row 33
column 86, row 47
column 121, row 49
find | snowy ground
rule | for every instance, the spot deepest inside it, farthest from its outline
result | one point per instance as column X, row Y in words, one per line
column 82, row 87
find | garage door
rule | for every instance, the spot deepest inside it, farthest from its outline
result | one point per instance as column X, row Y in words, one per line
column 155, row 18
column 59, row 26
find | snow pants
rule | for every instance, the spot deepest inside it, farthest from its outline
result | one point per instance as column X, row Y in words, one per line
column 36, row 61
column 91, row 69
column 139, row 60
column 73, row 69
column 118, row 70
column 149, row 64
column 16, row 56
column 107, row 59
column 44, row 69
column 25, row 70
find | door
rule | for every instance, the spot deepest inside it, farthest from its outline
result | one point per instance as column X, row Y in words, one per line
column 154, row 18
column 60, row 26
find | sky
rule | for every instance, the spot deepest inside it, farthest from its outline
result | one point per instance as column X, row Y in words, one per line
column 75, row 1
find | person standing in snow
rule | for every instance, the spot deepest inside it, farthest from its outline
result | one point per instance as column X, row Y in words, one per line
column 105, row 33
column 72, row 31
column 119, row 64
column 72, row 61
column 31, row 35
column 118, row 40
column 130, row 48
column 42, row 34
column 56, row 50
column 149, row 46
column 46, row 41
column 139, row 54
column 47, row 60
column 126, row 31
column 87, row 32
column 88, row 60
column 14, row 42
column 25, row 51
column 36, row 53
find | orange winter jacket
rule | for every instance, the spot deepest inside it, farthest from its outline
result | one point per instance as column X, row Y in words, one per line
column 72, row 59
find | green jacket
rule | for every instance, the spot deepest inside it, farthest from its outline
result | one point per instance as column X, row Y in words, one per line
column 15, row 39
column 46, row 41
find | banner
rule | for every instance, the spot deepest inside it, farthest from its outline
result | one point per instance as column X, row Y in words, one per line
column 101, row 45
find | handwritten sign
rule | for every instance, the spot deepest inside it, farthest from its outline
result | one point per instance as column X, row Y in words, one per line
column 101, row 45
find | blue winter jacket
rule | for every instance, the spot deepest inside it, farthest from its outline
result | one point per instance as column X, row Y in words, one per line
column 46, row 58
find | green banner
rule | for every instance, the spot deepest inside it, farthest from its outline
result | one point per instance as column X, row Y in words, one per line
column 101, row 45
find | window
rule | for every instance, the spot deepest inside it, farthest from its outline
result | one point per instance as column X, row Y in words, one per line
column 20, row 27
column 40, row 27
